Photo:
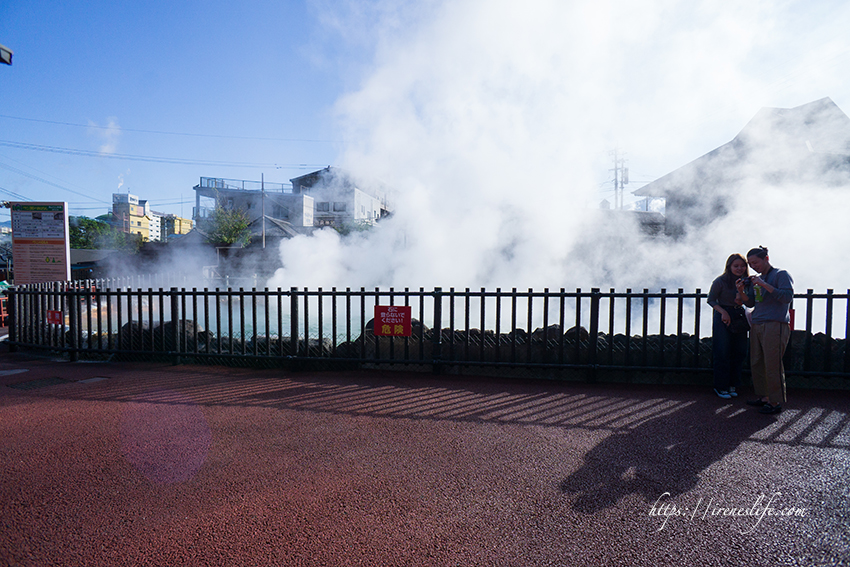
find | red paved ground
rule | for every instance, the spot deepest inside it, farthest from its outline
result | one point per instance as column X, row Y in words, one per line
column 189, row 465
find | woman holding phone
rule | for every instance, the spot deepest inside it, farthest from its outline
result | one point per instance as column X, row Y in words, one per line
column 729, row 327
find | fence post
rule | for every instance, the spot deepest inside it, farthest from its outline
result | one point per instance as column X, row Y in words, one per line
column 437, row 339
column 11, row 316
column 175, row 323
column 293, row 322
column 827, row 355
column 72, row 316
column 593, row 334
column 807, row 350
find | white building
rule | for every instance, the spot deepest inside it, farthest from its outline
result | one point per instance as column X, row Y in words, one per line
column 155, row 225
column 134, row 215
column 256, row 198
column 340, row 199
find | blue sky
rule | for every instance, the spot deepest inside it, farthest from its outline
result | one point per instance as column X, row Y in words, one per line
column 285, row 87
column 247, row 83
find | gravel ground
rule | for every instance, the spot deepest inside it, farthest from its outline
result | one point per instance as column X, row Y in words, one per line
column 146, row 464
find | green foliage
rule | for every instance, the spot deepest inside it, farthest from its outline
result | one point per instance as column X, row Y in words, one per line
column 124, row 241
column 227, row 227
column 354, row 227
column 97, row 234
column 86, row 233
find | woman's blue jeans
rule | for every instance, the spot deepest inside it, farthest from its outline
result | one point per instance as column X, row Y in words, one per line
column 729, row 352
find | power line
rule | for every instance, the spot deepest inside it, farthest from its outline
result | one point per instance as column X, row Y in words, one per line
column 14, row 195
column 37, row 178
column 154, row 159
column 165, row 132
column 5, row 157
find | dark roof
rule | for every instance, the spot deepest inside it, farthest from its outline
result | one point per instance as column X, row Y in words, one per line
column 808, row 142
column 194, row 237
column 274, row 228
column 317, row 177
column 85, row 256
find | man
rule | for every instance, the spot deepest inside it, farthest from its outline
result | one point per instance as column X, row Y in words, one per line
column 771, row 294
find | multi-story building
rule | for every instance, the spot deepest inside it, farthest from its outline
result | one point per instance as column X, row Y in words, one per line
column 256, row 198
column 341, row 199
column 328, row 197
column 174, row 225
column 131, row 215
column 155, row 225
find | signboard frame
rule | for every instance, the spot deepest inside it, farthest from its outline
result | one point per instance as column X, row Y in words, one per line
column 41, row 250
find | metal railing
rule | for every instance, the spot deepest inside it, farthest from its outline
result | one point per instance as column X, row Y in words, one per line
column 551, row 333
column 243, row 185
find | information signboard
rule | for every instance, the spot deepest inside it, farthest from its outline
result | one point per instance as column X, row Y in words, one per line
column 392, row 321
column 40, row 246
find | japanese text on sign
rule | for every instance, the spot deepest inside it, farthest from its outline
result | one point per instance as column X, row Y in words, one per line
column 392, row 321
column 40, row 242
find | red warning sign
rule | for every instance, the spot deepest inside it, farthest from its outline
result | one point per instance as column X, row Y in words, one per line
column 392, row 321
column 54, row 317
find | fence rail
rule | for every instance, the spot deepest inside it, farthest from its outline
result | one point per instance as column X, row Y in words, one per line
column 585, row 332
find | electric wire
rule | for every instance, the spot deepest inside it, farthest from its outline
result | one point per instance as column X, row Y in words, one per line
column 167, row 133
column 14, row 195
column 47, row 182
column 153, row 159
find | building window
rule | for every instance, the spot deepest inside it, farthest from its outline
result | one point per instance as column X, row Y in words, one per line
column 362, row 209
column 339, row 207
column 323, row 207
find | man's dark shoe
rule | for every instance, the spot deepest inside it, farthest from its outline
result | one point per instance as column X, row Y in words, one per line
column 770, row 409
column 757, row 403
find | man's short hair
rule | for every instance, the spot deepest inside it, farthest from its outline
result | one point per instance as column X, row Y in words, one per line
column 761, row 252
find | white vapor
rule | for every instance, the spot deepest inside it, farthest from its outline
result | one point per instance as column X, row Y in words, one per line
column 108, row 135
column 493, row 120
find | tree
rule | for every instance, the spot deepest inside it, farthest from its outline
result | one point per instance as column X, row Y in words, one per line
column 97, row 234
column 86, row 233
column 227, row 227
column 354, row 227
column 128, row 242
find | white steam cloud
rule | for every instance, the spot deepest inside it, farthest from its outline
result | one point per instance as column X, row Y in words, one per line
column 493, row 119
column 108, row 135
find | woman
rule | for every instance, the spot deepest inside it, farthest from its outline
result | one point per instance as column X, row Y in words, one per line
column 729, row 327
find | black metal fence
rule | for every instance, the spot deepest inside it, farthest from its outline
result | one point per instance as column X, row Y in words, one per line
column 632, row 335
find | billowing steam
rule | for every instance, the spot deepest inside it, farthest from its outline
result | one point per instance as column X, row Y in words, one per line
column 108, row 135
column 493, row 120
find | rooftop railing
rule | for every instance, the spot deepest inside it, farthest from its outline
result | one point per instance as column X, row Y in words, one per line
column 243, row 185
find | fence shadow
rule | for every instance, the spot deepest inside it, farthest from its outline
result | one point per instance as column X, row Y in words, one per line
column 655, row 440
column 613, row 407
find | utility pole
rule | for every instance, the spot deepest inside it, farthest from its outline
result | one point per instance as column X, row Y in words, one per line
column 621, row 178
